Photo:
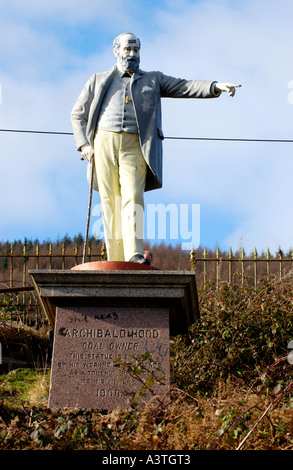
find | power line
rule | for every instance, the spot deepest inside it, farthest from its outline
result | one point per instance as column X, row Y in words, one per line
column 36, row 132
column 230, row 140
column 167, row 137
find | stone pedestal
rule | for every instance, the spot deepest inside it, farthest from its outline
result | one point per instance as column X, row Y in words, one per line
column 108, row 317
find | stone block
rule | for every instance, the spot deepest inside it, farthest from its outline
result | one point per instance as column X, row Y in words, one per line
column 87, row 343
column 101, row 316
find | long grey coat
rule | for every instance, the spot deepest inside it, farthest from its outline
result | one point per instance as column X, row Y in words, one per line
column 147, row 89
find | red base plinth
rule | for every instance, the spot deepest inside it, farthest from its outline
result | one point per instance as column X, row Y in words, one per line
column 113, row 266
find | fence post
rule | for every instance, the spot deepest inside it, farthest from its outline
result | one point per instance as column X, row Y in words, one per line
column 255, row 266
column 242, row 266
column 24, row 252
column 37, row 255
column 63, row 255
column 204, row 267
column 268, row 264
column 192, row 259
column 24, row 264
column 281, row 257
column 50, row 256
column 11, row 265
column 230, row 266
column 103, row 252
column 218, row 268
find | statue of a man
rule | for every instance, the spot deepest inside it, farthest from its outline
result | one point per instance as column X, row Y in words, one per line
column 117, row 121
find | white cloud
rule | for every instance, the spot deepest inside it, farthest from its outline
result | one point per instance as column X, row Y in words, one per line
column 251, row 45
column 68, row 11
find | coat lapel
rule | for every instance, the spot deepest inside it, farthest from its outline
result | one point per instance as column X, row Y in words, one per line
column 100, row 89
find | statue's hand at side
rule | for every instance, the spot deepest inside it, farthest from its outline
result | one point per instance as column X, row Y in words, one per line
column 86, row 152
column 228, row 87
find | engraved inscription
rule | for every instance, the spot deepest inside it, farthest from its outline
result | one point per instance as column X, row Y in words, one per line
column 100, row 333
column 89, row 340
column 103, row 393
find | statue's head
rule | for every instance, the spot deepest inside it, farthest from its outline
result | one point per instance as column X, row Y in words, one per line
column 126, row 48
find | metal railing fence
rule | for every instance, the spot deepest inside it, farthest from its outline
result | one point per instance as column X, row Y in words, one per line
column 18, row 302
column 238, row 268
column 42, row 257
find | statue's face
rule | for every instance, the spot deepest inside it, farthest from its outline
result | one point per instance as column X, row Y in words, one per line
column 128, row 53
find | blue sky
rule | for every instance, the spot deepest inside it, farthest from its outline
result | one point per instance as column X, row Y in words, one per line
column 48, row 51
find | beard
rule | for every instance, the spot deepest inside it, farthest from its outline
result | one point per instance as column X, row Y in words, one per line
column 129, row 64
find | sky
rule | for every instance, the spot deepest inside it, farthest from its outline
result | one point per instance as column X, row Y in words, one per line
column 243, row 188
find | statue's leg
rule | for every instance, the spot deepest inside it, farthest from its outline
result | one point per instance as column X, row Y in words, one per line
column 133, row 171
column 107, row 146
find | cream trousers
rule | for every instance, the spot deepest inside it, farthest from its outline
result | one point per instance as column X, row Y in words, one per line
column 121, row 174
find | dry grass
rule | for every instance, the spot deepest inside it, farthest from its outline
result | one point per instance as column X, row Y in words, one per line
column 231, row 388
column 221, row 422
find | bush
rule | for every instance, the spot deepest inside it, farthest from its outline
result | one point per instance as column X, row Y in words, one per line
column 243, row 334
column 231, row 387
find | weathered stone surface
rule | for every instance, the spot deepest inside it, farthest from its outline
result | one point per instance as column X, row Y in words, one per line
column 175, row 290
column 100, row 314
column 87, row 342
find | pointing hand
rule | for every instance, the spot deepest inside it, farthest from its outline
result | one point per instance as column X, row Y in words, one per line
column 228, row 87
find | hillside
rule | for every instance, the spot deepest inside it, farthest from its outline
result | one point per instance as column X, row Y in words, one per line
column 231, row 387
